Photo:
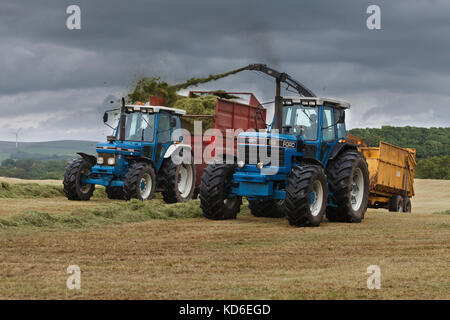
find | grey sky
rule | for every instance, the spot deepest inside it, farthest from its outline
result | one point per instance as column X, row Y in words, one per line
column 54, row 83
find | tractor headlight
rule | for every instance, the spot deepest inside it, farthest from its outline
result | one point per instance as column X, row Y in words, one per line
column 241, row 164
column 100, row 160
column 260, row 165
column 111, row 161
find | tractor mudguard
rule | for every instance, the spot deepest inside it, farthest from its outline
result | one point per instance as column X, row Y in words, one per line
column 311, row 161
column 175, row 148
column 339, row 147
column 90, row 158
column 143, row 159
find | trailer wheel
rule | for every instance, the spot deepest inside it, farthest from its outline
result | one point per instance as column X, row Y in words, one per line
column 396, row 204
column 266, row 208
column 115, row 193
column 348, row 177
column 73, row 188
column 407, row 206
column 306, row 196
column 177, row 181
column 215, row 192
column 139, row 181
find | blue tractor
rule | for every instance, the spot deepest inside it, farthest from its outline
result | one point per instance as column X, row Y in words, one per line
column 143, row 155
column 302, row 167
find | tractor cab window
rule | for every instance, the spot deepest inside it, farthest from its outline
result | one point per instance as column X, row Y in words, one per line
column 301, row 120
column 341, row 131
column 164, row 127
column 139, row 127
column 328, row 125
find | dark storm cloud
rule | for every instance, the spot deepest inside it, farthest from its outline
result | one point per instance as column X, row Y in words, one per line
column 325, row 44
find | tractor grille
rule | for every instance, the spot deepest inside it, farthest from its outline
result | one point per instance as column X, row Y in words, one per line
column 252, row 154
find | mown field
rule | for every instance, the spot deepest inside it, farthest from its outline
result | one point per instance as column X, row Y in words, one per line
column 135, row 250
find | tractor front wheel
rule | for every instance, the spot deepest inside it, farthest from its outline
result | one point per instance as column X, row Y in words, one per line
column 216, row 199
column 139, row 181
column 177, row 181
column 74, row 189
column 306, row 196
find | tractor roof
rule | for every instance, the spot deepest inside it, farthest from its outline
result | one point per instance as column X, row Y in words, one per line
column 156, row 108
column 316, row 101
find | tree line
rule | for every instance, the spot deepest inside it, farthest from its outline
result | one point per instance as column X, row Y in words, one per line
column 432, row 146
column 33, row 169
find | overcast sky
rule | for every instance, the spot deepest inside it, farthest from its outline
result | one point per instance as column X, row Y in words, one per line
column 55, row 83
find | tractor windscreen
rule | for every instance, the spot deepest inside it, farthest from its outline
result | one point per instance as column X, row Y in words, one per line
column 301, row 120
column 140, row 126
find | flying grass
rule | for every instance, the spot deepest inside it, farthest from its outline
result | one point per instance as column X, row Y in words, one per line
column 113, row 213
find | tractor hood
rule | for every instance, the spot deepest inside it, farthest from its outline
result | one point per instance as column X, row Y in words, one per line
column 126, row 148
column 266, row 138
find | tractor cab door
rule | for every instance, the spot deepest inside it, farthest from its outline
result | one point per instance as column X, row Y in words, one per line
column 328, row 133
column 167, row 123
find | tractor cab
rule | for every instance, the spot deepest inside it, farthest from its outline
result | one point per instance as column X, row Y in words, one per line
column 310, row 130
column 147, row 132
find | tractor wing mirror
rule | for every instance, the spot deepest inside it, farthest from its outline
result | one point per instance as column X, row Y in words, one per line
column 105, row 117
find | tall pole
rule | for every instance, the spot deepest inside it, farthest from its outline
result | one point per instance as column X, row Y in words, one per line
column 17, row 138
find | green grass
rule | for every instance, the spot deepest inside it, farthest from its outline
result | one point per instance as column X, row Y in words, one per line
column 34, row 190
column 113, row 213
column 442, row 212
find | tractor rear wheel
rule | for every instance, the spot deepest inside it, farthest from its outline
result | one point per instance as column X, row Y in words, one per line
column 348, row 178
column 266, row 208
column 115, row 193
column 177, row 181
column 396, row 204
column 140, row 181
column 73, row 188
column 306, row 196
column 216, row 200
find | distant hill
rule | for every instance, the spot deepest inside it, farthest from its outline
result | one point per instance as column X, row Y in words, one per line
column 48, row 150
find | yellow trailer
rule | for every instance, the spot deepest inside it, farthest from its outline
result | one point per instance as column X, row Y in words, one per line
column 391, row 171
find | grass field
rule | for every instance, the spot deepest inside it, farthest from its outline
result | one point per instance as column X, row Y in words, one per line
column 151, row 250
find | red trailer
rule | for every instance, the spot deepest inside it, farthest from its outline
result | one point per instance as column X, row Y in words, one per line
column 230, row 114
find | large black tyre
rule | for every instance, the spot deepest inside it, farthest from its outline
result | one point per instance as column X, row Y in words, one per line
column 266, row 208
column 177, row 181
column 73, row 188
column 407, row 206
column 140, row 181
column 396, row 204
column 215, row 190
column 306, row 196
column 347, row 175
column 115, row 193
